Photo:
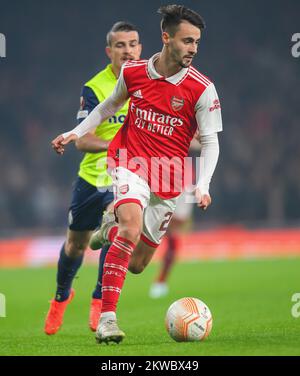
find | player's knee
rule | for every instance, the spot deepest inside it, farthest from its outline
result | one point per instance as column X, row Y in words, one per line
column 131, row 233
column 75, row 249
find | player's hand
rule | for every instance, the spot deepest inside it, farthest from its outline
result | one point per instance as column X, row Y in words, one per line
column 58, row 144
column 203, row 200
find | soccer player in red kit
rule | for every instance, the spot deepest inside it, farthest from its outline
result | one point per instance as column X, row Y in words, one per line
column 169, row 101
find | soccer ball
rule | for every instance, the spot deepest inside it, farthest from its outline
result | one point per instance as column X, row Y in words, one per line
column 188, row 319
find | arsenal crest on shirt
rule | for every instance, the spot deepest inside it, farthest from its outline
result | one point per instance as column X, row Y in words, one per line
column 177, row 103
column 124, row 189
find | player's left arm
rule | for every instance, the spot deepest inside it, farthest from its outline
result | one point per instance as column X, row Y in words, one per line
column 89, row 143
column 209, row 120
column 101, row 112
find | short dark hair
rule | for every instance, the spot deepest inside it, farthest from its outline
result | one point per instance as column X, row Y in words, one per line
column 174, row 14
column 119, row 26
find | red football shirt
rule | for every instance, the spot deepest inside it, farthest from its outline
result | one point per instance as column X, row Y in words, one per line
column 162, row 118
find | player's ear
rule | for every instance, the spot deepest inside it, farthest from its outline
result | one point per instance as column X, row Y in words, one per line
column 165, row 37
column 140, row 47
column 108, row 51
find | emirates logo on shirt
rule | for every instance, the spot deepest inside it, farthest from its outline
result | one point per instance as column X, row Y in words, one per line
column 177, row 103
column 155, row 122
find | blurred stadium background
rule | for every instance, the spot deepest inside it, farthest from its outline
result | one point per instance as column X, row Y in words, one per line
column 54, row 47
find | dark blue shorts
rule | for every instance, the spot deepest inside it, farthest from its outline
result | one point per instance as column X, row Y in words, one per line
column 87, row 206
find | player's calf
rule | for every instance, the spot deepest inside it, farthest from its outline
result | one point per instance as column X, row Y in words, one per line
column 76, row 243
column 136, row 269
column 140, row 258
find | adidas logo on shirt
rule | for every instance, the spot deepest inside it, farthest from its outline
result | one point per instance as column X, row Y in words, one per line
column 138, row 94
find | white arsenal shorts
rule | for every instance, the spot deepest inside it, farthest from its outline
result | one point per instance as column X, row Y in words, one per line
column 129, row 187
column 184, row 206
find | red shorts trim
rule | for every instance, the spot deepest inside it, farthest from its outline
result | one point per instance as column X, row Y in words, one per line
column 148, row 242
column 128, row 200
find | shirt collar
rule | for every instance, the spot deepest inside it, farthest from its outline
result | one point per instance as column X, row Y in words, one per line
column 154, row 75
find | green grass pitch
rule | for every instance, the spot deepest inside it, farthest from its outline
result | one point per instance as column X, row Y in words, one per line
column 250, row 302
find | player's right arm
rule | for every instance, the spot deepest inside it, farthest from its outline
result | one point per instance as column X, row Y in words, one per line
column 101, row 112
column 89, row 143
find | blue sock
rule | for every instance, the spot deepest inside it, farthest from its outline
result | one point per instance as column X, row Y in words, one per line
column 66, row 270
column 97, row 294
